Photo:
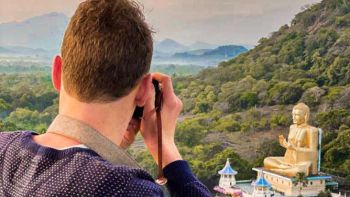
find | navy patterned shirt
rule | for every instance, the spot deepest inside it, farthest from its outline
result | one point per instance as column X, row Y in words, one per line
column 29, row 169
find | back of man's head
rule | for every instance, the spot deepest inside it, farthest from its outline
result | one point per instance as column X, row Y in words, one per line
column 106, row 50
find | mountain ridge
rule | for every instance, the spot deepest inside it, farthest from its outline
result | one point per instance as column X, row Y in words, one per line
column 222, row 52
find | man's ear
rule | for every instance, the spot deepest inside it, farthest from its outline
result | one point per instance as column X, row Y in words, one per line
column 56, row 73
column 143, row 91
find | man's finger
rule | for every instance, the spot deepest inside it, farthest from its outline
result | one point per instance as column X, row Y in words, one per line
column 167, row 84
column 149, row 105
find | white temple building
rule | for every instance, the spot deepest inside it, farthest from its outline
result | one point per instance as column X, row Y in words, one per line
column 262, row 188
column 227, row 178
column 228, row 181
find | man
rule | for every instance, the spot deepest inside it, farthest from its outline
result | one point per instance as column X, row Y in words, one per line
column 101, row 77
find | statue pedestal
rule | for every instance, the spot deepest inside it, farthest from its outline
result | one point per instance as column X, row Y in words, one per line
column 285, row 186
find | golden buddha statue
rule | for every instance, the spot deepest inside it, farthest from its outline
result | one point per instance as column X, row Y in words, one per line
column 301, row 148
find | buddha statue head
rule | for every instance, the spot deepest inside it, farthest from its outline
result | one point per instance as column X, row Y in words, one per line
column 301, row 114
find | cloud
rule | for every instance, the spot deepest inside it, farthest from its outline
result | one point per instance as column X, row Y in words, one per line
column 18, row 10
column 203, row 8
column 221, row 21
column 215, row 21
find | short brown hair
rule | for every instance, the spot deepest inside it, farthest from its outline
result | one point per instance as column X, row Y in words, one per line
column 106, row 49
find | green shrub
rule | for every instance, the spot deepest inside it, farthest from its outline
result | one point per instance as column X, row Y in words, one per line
column 324, row 194
column 312, row 96
column 202, row 107
column 255, row 125
column 190, row 132
column 228, row 123
column 284, row 93
column 248, row 99
column 332, row 120
column 228, row 126
column 279, row 120
column 333, row 93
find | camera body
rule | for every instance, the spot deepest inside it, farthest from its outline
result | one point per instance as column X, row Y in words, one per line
column 138, row 113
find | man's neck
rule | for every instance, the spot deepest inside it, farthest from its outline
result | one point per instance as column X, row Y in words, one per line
column 110, row 119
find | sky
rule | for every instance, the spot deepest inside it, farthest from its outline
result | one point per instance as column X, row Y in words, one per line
column 187, row 21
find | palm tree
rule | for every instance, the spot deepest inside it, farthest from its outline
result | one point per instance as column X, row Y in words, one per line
column 300, row 181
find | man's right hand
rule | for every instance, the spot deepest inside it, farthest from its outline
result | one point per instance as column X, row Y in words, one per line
column 171, row 109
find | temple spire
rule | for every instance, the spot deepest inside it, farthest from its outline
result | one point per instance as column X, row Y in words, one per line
column 262, row 187
column 227, row 176
column 227, row 170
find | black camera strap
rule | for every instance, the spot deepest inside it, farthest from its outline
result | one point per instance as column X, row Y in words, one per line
column 90, row 137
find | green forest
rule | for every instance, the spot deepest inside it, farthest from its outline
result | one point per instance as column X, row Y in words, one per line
column 237, row 109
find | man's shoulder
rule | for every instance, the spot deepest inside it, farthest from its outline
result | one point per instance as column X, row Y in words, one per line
column 11, row 134
column 78, row 168
column 124, row 172
column 7, row 137
column 124, row 179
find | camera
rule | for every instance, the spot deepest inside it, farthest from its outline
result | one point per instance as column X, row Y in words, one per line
column 138, row 113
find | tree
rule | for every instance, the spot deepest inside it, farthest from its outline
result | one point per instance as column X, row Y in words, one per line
column 248, row 99
column 4, row 107
column 268, row 148
column 300, row 181
column 332, row 120
column 324, row 194
column 24, row 119
column 285, row 93
column 190, row 132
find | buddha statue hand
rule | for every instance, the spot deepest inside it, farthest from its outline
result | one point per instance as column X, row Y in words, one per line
column 283, row 142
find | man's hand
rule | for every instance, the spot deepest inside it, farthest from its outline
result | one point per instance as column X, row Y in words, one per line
column 171, row 109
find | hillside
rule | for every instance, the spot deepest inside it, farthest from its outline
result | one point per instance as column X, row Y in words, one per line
column 245, row 102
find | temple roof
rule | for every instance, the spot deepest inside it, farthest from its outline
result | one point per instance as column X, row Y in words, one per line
column 228, row 169
column 262, row 182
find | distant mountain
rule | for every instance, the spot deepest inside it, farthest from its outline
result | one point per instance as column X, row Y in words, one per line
column 41, row 36
column 228, row 51
column 201, row 57
column 221, row 52
column 45, row 31
column 170, row 46
column 4, row 50
column 196, row 52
